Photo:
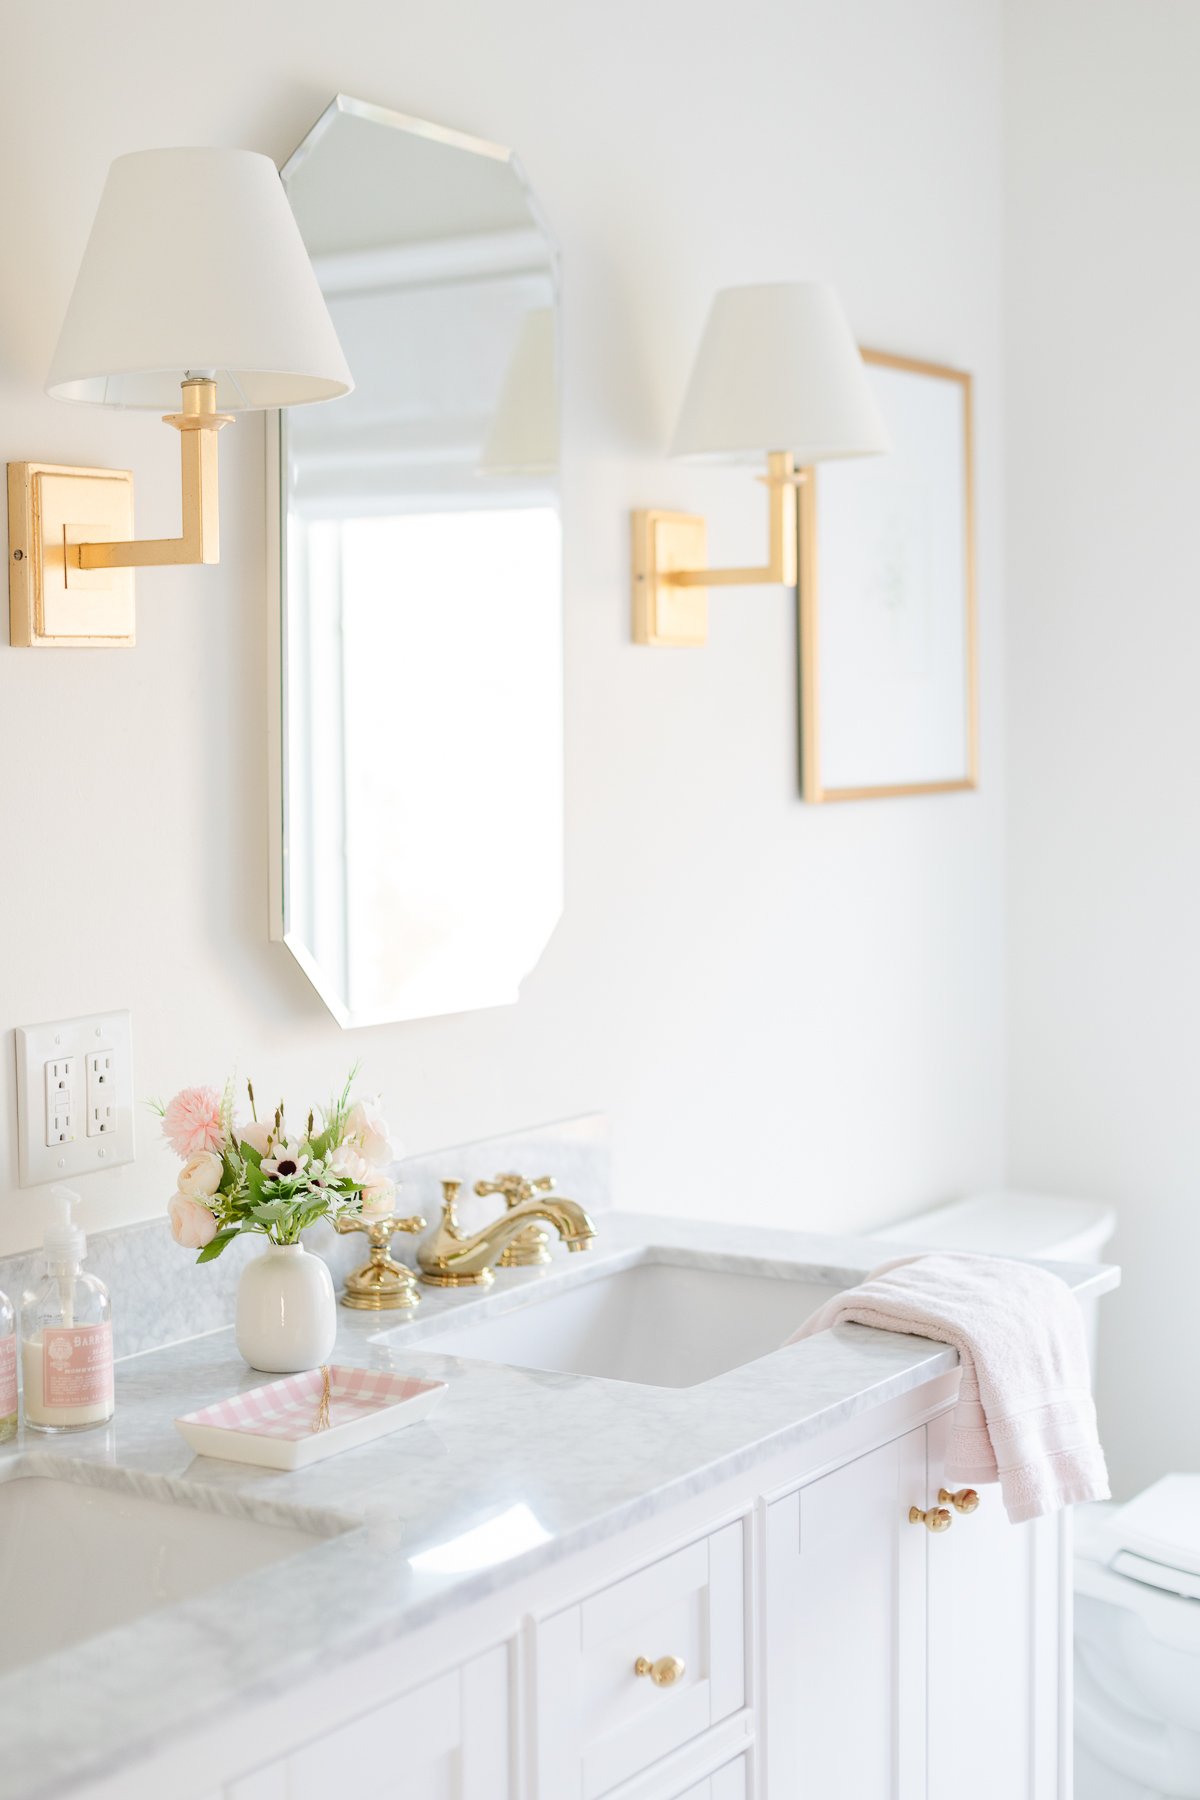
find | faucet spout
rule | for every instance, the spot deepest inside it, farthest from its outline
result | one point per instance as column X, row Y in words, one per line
column 448, row 1257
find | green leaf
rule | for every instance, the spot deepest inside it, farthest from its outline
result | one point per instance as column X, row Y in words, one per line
column 214, row 1248
column 270, row 1212
column 249, row 1153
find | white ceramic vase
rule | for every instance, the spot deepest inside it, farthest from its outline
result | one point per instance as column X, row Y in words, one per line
column 286, row 1310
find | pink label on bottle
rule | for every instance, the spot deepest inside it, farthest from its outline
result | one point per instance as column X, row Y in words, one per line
column 8, row 1376
column 77, row 1365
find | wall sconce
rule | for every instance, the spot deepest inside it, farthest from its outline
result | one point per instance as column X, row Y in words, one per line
column 777, row 366
column 195, row 293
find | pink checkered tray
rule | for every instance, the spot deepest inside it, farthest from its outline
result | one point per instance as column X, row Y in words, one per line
column 275, row 1425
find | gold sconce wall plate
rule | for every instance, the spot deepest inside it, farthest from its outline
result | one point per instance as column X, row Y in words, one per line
column 666, row 612
column 53, row 604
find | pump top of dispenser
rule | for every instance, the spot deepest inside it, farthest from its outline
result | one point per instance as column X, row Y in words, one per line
column 63, row 1241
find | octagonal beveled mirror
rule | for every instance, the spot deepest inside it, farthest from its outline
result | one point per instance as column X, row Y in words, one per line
column 417, row 687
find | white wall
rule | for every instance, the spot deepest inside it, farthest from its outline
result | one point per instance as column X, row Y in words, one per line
column 1103, row 359
column 793, row 1015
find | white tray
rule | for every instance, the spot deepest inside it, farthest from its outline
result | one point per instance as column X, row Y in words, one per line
column 273, row 1425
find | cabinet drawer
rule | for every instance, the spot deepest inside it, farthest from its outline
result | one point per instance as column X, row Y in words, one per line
column 598, row 1721
column 730, row 1782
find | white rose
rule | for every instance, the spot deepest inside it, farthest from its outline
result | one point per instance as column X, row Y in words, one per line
column 192, row 1225
column 254, row 1133
column 368, row 1130
column 378, row 1197
column 201, row 1174
column 345, row 1164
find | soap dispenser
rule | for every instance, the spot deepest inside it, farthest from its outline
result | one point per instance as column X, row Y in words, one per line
column 66, row 1332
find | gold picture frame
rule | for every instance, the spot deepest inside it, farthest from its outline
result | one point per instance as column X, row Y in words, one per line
column 815, row 787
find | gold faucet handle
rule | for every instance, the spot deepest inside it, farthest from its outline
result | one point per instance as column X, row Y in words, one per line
column 515, row 1188
column 379, row 1228
column 450, row 1191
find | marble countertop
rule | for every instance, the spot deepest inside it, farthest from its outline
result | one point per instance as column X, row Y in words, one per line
column 564, row 1461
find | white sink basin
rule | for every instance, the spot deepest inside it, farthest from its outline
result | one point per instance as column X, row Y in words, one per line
column 77, row 1560
column 662, row 1324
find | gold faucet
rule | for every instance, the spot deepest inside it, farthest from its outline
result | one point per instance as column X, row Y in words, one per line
column 449, row 1258
column 532, row 1246
column 380, row 1283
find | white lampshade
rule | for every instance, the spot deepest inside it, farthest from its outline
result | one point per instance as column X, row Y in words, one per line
column 195, row 265
column 523, row 436
column 778, row 369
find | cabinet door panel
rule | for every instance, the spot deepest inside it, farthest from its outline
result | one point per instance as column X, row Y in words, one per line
column 845, row 1632
column 447, row 1740
column 994, row 1650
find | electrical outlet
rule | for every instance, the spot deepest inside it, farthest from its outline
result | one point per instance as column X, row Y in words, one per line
column 101, row 1092
column 62, row 1102
column 74, row 1097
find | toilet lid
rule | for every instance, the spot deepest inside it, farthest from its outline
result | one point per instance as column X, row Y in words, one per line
column 1156, row 1538
column 1155, row 1574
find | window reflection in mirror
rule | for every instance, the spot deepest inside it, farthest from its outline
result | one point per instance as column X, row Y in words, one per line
column 421, row 766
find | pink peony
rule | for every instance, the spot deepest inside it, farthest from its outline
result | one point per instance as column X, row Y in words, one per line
column 378, row 1197
column 192, row 1225
column 369, row 1132
column 192, row 1122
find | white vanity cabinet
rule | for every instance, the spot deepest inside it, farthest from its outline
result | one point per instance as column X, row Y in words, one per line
column 811, row 1641
column 903, row 1664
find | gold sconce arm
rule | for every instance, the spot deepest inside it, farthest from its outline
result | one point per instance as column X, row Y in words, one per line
column 72, row 551
column 199, row 542
column 670, row 552
column 781, row 481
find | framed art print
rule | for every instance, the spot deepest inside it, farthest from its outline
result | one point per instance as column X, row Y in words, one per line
column 888, row 687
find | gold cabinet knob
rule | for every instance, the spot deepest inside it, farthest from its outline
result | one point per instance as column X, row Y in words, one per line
column 936, row 1519
column 966, row 1500
column 667, row 1670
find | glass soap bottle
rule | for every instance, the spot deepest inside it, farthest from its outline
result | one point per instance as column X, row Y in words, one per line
column 8, row 1370
column 66, row 1333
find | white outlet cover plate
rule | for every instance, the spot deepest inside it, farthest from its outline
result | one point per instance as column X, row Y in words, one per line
column 39, row 1044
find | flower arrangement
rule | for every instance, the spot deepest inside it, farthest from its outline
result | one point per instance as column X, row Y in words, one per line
column 260, row 1176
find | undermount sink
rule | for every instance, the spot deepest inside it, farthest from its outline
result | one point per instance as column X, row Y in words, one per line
column 77, row 1560
column 659, row 1323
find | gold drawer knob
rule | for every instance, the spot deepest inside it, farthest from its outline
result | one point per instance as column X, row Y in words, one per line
column 936, row 1519
column 966, row 1500
column 666, row 1671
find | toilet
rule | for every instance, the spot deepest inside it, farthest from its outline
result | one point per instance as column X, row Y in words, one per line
column 1137, row 1645
column 1137, row 1566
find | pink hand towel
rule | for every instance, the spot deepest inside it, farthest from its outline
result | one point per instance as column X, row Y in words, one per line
column 1025, row 1414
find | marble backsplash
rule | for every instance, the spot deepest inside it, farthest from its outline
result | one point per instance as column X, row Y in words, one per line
column 160, row 1296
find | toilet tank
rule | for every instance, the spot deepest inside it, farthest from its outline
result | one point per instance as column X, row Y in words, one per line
column 1017, row 1223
